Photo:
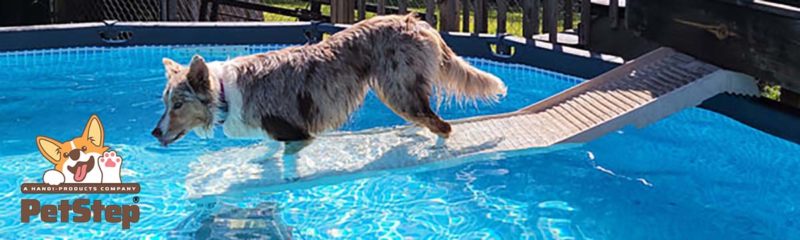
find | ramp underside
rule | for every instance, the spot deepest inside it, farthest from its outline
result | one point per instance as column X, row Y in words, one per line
column 637, row 93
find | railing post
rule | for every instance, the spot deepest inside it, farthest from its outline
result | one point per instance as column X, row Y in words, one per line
column 430, row 12
column 449, row 18
column 613, row 12
column 567, row 14
column 203, row 16
column 530, row 18
column 402, row 7
column 465, row 15
column 172, row 8
column 381, row 7
column 362, row 9
column 502, row 10
column 164, row 9
column 551, row 14
column 481, row 16
column 214, row 10
column 585, row 27
column 316, row 7
column 342, row 11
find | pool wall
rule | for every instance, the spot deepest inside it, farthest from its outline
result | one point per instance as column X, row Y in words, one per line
column 765, row 115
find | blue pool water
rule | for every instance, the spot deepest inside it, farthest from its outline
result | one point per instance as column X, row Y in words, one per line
column 694, row 175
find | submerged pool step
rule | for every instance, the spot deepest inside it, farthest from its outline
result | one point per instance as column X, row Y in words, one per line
column 637, row 93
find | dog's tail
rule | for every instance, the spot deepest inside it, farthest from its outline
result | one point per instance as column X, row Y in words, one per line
column 462, row 81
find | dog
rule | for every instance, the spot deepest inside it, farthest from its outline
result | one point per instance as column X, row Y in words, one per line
column 297, row 92
column 81, row 160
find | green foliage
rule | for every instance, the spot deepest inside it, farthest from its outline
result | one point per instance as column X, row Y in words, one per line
column 772, row 92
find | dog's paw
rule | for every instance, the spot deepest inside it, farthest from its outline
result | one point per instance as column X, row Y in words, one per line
column 110, row 160
column 53, row 177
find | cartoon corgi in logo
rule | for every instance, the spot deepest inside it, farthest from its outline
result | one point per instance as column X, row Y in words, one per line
column 81, row 160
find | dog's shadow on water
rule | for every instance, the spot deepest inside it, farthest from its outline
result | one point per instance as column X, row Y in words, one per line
column 328, row 159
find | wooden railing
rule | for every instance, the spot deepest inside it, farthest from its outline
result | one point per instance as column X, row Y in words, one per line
column 552, row 12
column 447, row 19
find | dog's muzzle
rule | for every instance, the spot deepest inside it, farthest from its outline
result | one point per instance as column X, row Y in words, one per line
column 165, row 139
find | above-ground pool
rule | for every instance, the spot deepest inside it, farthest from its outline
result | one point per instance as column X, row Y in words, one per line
column 694, row 175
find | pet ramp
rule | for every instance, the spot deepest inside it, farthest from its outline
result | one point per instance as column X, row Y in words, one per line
column 637, row 93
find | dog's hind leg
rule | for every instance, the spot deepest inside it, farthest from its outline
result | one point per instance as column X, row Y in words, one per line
column 408, row 95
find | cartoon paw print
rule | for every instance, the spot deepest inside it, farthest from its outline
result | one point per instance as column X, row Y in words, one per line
column 110, row 159
column 110, row 165
column 53, row 177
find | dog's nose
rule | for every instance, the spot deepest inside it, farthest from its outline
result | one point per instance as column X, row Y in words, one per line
column 157, row 132
column 75, row 154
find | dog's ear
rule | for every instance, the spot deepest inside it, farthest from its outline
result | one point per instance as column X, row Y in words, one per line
column 49, row 149
column 198, row 75
column 94, row 131
column 171, row 67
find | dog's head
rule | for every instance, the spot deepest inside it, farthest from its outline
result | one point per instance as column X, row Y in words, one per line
column 188, row 101
column 76, row 158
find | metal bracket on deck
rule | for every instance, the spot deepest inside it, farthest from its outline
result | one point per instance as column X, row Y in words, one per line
column 503, row 49
column 312, row 33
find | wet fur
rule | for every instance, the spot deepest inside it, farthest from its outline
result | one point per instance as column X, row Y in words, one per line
column 296, row 92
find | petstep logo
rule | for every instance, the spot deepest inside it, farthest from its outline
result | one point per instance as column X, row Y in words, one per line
column 81, row 165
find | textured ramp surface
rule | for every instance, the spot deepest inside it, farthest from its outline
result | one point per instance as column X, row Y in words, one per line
column 637, row 93
column 640, row 92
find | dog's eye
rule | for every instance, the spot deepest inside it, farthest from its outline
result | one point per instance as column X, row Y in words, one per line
column 65, row 155
column 83, row 148
column 177, row 105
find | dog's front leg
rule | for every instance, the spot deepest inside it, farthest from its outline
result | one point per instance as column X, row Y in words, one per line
column 289, row 159
column 293, row 147
column 53, row 177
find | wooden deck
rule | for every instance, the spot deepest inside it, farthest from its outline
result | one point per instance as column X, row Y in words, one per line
column 638, row 93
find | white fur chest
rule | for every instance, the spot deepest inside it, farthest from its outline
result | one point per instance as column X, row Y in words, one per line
column 234, row 125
